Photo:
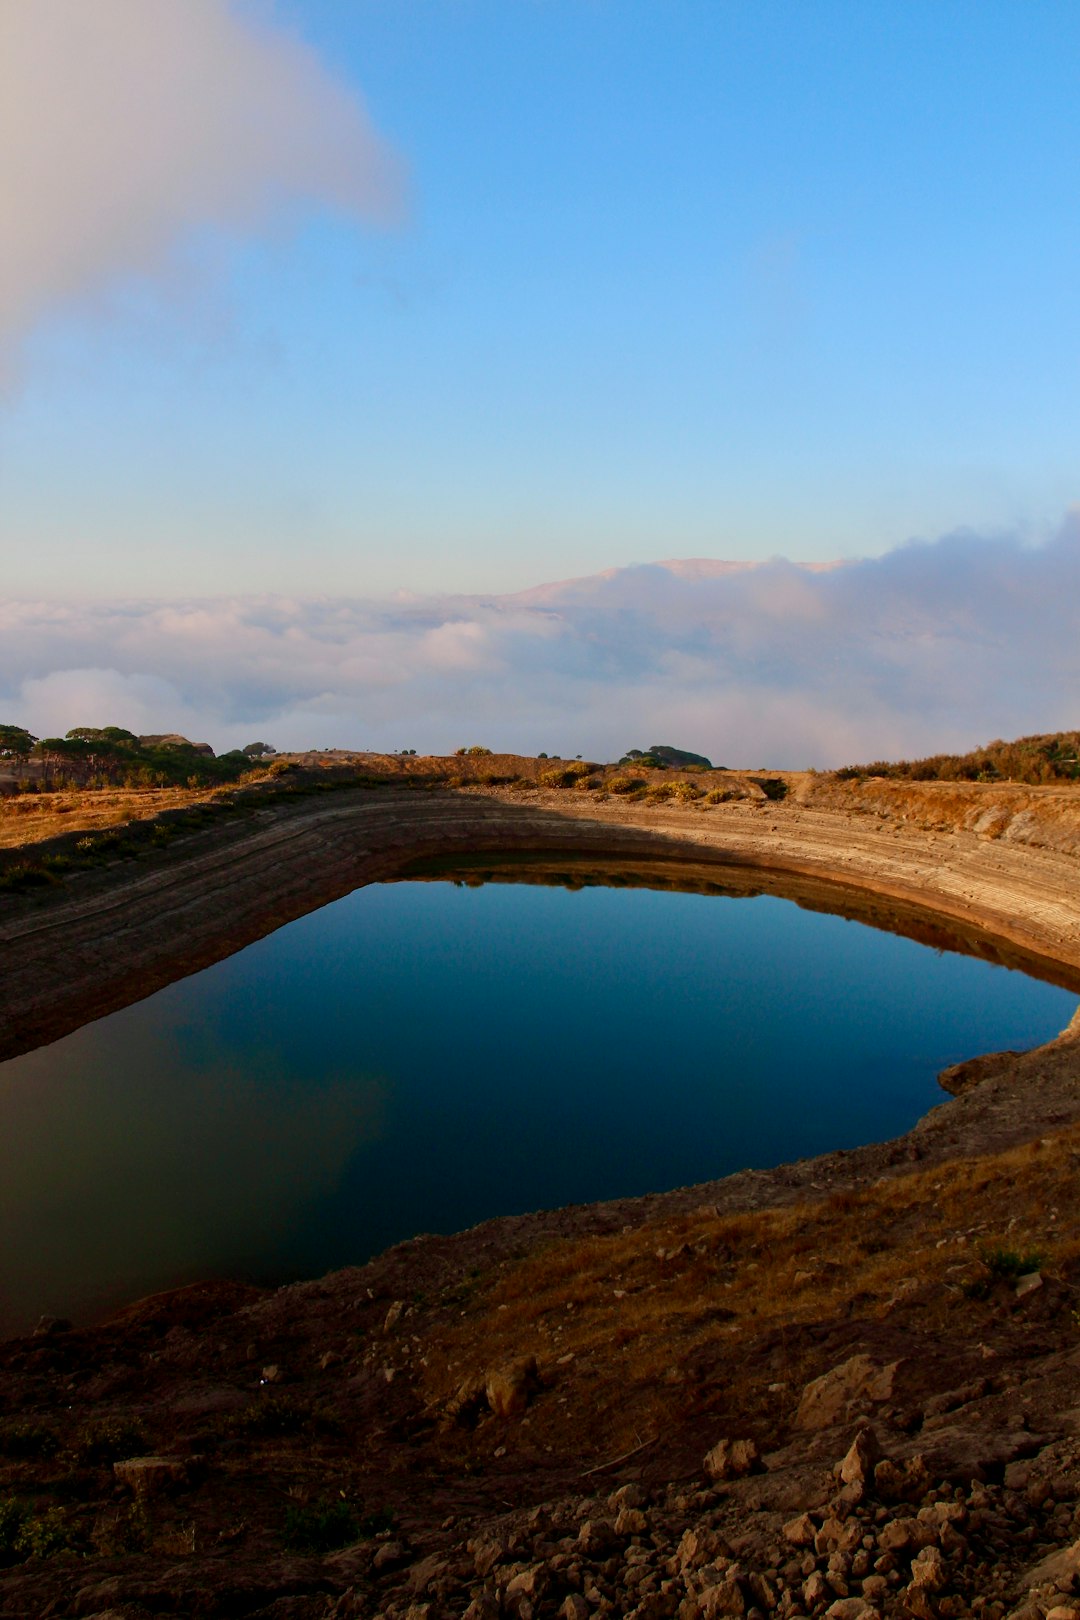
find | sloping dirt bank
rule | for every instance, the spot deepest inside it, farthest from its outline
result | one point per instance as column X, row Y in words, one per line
column 1003, row 868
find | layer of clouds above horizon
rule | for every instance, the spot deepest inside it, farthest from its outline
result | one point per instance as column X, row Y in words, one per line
column 934, row 646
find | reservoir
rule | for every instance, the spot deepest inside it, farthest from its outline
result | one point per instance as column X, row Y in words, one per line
column 420, row 1056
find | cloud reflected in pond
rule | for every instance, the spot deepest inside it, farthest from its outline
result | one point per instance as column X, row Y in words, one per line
column 118, row 1179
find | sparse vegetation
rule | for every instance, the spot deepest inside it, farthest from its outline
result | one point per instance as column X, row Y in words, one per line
column 109, row 1440
column 778, row 1267
column 272, row 1415
column 773, row 787
column 27, row 1440
column 108, row 756
column 1052, row 757
column 25, row 1534
column 21, row 876
column 320, row 1527
column 686, row 791
column 566, row 776
column 1009, row 1264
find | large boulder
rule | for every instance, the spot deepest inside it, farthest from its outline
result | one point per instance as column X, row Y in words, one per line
column 829, row 1399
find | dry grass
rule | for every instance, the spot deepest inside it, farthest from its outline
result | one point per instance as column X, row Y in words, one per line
column 1049, row 757
column 636, row 1312
column 29, row 818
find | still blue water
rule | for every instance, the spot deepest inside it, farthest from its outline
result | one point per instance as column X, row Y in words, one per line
column 420, row 1056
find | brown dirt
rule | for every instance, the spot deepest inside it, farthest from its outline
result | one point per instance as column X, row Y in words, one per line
column 29, row 818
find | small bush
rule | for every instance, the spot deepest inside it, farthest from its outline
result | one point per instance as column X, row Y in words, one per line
column 27, row 1440
column 56, row 863
column 110, row 1440
column 1002, row 1265
column 24, row 1534
column 772, row 787
column 12, row 1518
column 624, row 784
column 1007, row 1265
column 687, row 792
column 43, row 1534
column 476, row 750
column 320, row 1527
column 274, row 1414
column 21, row 876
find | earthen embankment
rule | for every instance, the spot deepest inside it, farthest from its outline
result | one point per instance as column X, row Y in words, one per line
column 1000, row 870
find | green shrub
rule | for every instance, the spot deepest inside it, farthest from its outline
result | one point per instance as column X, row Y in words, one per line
column 21, row 876
column 1002, row 1265
column 1009, row 1264
column 320, row 1527
column 272, row 1414
column 27, row 1440
column 44, row 1534
column 13, row 1516
column 624, row 784
column 110, row 1440
column 772, row 786
column 25, row 1534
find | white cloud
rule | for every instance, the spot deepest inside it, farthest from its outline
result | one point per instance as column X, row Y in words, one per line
column 933, row 646
column 140, row 703
column 127, row 125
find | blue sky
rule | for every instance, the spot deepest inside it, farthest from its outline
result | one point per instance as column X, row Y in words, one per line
column 664, row 279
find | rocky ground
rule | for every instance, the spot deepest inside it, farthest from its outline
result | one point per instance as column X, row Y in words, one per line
column 844, row 1387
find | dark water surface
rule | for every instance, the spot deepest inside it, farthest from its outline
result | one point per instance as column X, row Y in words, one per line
column 419, row 1056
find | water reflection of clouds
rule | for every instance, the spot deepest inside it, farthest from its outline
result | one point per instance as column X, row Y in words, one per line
column 116, row 1180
